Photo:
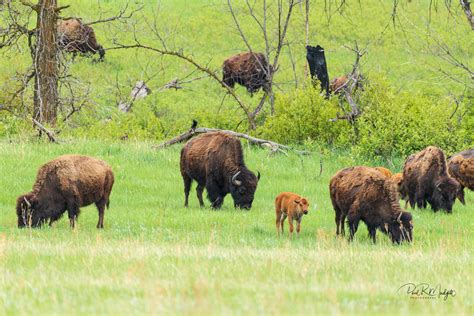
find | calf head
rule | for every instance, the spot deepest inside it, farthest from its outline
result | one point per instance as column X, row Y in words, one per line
column 445, row 193
column 401, row 228
column 302, row 205
column 27, row 211
column 243, row 185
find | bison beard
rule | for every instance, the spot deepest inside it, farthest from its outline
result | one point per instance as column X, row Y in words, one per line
column 318, row 67
column 66, row 183
column 215, row 161
column 425, row 181
column 250, row 70
column 365, row 194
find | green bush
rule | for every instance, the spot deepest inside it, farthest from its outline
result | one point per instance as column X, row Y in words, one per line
column 391, row 124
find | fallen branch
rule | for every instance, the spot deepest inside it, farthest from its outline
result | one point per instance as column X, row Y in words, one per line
column 274, row 147
column 466, row 6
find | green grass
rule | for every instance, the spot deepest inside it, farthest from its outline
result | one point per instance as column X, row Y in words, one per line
column 155, row 256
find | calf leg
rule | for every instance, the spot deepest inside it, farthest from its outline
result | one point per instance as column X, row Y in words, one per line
column 199, row 190
column 298, row 225
column 290, row 221
column 187, row 187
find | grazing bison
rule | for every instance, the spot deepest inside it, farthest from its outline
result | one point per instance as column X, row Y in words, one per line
column 337, row 84
column 363, row 193
column 425, row 180
column 75, row 36
column 216, row 162
column 317, row 66
column 387, row 173
column 290, row 205
column 250, row 70
column 66, row 183
column 461, row 168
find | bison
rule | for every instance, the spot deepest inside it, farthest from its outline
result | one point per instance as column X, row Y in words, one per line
column 75, row 36
column 337, row 84
column 290, row 205
column 216, row 161
column 66, row 183
column 363, row 193
column 425, row 180
column 250, row 70
column 461, row 168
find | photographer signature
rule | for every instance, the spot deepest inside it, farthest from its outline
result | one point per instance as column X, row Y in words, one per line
column 426, row 291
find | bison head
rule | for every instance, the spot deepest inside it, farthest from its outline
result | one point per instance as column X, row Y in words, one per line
column 302, row 205
column 27, row 211
column 401, row 228
column 445, row 193
column 242, row 188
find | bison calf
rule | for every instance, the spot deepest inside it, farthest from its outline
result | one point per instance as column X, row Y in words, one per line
column 290, row 205
column 425, row 180
column 365, row 194
column 461, row 168
column 66, row 183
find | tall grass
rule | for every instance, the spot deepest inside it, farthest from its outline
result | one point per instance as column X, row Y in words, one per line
column 155, row 256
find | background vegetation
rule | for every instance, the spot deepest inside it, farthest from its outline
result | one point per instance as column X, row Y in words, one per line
column 155, row 256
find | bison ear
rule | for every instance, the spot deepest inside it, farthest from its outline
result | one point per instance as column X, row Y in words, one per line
column 258, row 176
column 460, row 196
column 298, row 201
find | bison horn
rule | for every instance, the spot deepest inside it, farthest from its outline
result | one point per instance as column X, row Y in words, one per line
column 258, row 175
column 234, row 179
column 27, row 203
column 399, row 218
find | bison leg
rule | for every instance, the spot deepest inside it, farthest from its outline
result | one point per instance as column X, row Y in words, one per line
column 199, row 190
column 353, row 225
column 298, row 225
column 290, row 221
column 280, row 221
column 372, row 233
column 72, row 213
column 187, row 187
column 342, row 223
column 214, row 194
column 101, row 208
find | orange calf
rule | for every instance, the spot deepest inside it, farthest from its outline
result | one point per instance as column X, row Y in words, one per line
column 290, row 205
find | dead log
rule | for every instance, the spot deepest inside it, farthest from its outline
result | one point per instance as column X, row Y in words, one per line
column 194, row 130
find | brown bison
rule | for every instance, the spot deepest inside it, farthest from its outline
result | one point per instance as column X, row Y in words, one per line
column 425, row 180
column 216, row 162
column 290, row 205
column 66, row 183
column 364, row 194
column 75, row 36
column 250, row 70
column 461, row 168
column 337, row 84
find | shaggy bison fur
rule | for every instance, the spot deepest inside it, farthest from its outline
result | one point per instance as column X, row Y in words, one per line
column 290, row 205
column 250, row 70
column 461, row 168
column 364, row 194
column 77, row 37
column 66, row 183
column 425, row 180
column 216, row 162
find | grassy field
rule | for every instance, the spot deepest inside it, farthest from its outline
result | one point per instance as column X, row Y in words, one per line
column 155, row 256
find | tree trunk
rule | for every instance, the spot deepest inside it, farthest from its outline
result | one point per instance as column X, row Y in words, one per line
column 46, row 63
